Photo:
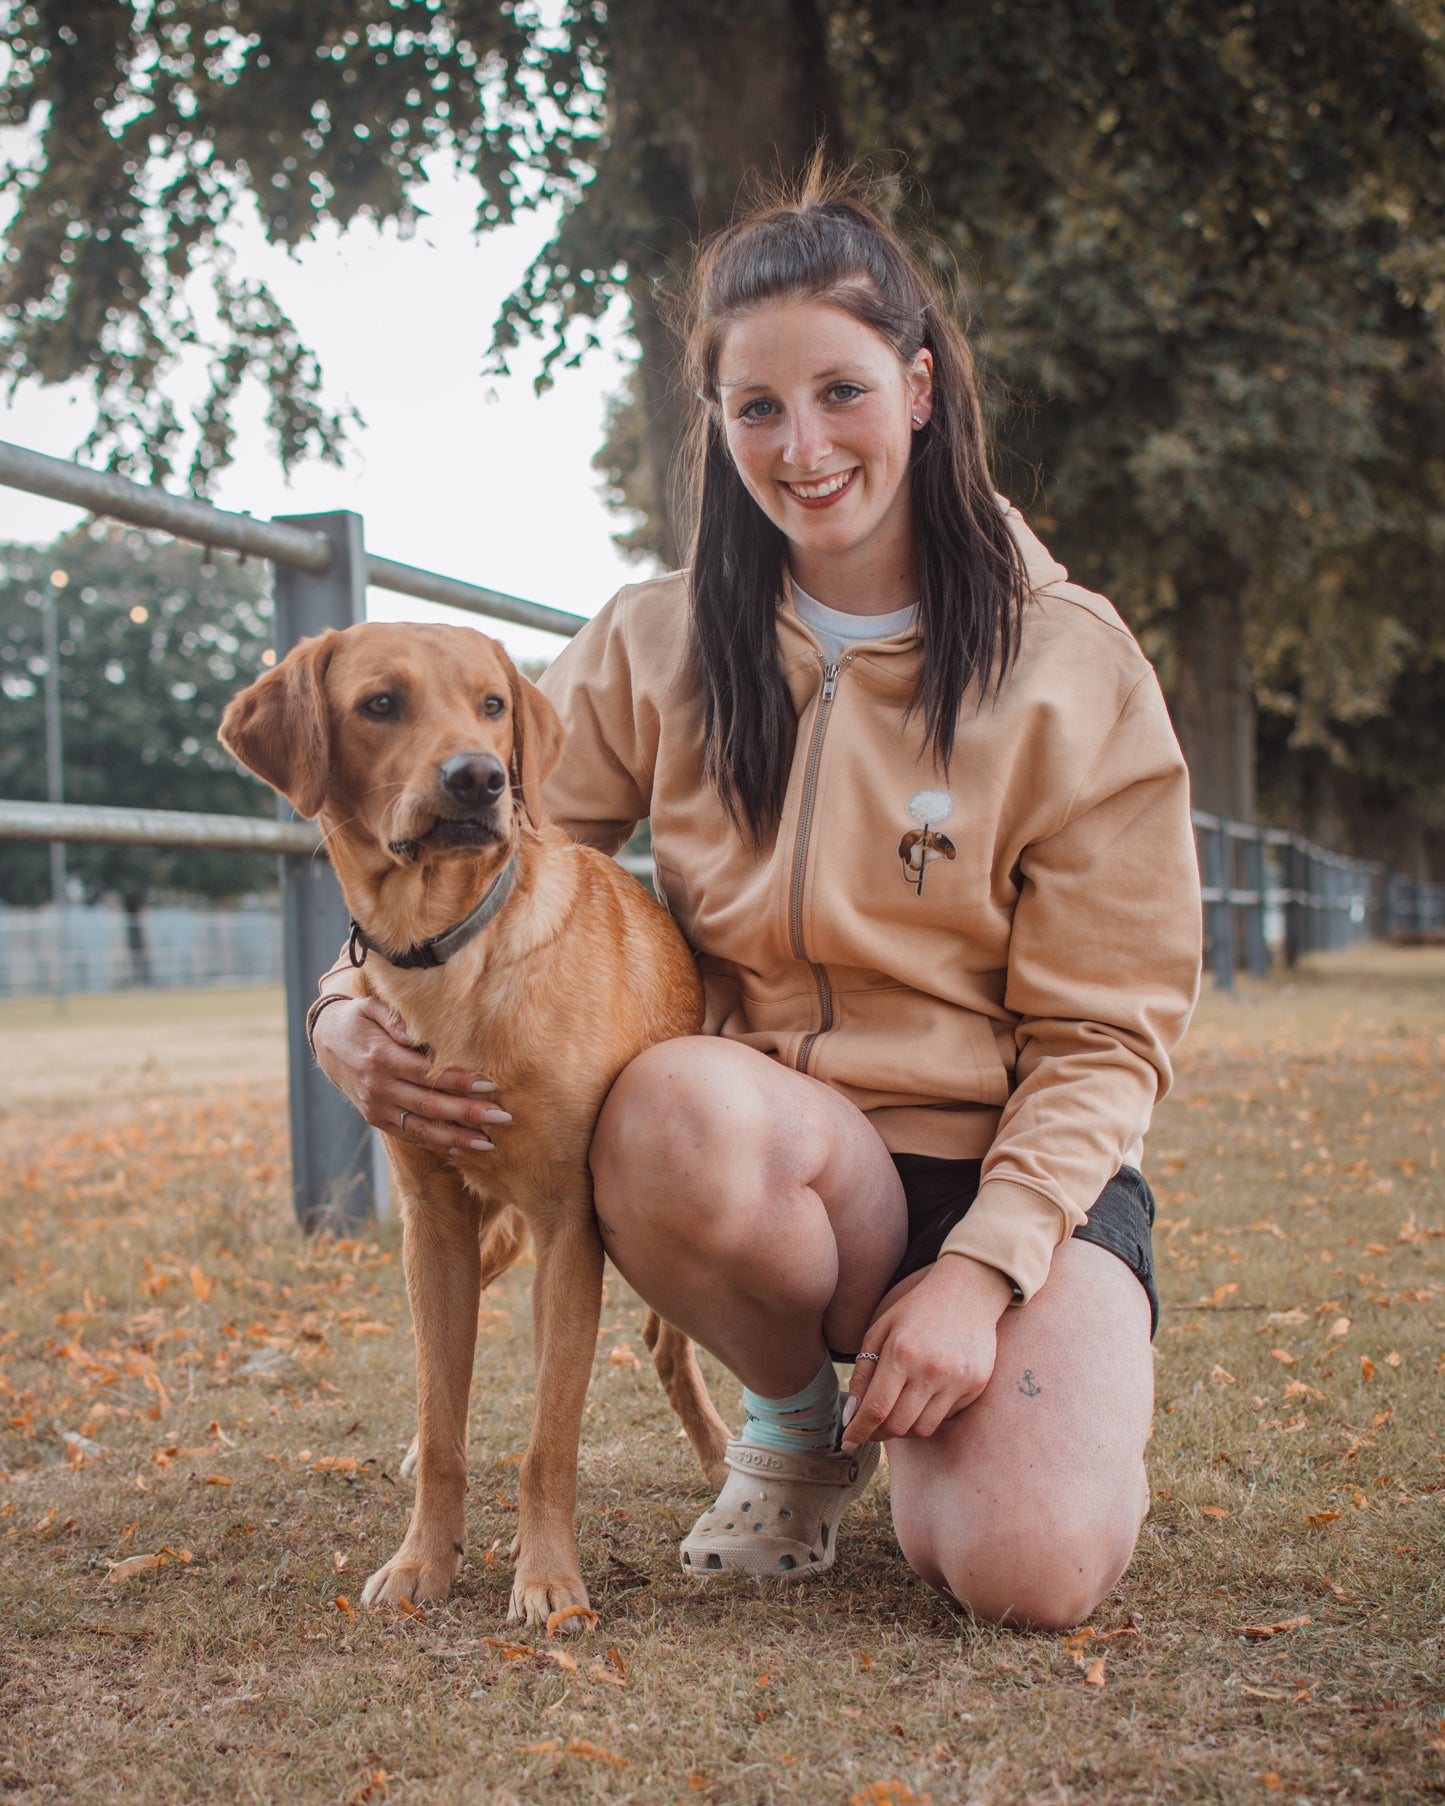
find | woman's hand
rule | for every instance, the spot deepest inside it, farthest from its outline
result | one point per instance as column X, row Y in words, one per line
column 366, row 1052
column 936, row 1347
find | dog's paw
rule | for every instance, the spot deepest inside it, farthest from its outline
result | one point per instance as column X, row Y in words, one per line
column 535, row 1600
column 407, row 1470
column 416, row 1580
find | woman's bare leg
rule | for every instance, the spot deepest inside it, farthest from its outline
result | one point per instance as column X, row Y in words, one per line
column 1027, row 1506
column 726, row 1186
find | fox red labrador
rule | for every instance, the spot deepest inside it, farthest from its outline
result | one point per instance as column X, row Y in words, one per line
column 507, row 950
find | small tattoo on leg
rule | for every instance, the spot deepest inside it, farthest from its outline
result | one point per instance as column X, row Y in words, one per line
column 1029, row 1388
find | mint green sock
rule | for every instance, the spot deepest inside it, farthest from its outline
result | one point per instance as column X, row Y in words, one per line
column 805, row 1422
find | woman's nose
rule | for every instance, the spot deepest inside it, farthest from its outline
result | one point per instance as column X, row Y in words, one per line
column 809, row 441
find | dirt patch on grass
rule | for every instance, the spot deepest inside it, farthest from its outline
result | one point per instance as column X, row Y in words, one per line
column 182, row 1377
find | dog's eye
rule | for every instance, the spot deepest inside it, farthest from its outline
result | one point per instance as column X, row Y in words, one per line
column 494, row 705
column 382, row 707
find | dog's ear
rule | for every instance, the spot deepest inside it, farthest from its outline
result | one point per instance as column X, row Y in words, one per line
column 537, row 736
column 278, row 728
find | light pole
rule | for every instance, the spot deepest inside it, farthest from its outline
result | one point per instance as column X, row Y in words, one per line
column 54, row 770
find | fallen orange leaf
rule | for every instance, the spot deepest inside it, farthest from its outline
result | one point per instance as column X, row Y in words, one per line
column 596, row 1672
column 338, row 1464
column 217, row 1480
column 1094, row 1673
column 132, row 1566
column 1392, row 1359
column 889, row 1793
column 1340, row 1327
column 615, row 1657
column 1221, row 1378
column 556, row 1619
column 343, row 1604
column 1320, row 1518
column 579, row 1746
column 1283, row 1355
column 184, row 1556
column 1270, row 1630
column 1214, row 1511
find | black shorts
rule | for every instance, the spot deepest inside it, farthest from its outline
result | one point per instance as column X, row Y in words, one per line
column 939, row 1194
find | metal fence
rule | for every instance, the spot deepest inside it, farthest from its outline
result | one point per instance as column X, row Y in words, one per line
column 1271, row 894
column 99, row 947
column 1262, row 889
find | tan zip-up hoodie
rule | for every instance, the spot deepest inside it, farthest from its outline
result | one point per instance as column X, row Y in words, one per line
column 1020, row 1006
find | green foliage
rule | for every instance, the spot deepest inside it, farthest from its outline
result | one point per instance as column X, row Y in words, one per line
column 153, row 643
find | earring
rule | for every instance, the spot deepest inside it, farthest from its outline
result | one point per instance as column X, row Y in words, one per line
column 918, row 420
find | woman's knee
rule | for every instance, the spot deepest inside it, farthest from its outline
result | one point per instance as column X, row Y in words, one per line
column 1044, row 1569
column 679, row 1126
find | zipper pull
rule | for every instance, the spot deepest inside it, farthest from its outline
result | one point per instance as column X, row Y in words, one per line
column 830, row 681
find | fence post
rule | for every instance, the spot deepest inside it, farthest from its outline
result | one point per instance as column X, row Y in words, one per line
column 332, row 1173
column 1221, row 913
column 1256, row 948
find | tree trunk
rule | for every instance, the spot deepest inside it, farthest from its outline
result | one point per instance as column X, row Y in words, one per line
column 700, row 98
column 1213, row 696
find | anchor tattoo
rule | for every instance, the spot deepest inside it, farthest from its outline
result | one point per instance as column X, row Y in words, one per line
column 1029, row 1388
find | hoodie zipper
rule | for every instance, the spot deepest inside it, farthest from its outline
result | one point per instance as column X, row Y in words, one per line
column 831, row 670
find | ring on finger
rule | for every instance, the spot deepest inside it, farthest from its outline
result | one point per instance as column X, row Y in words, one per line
column 865, row 1356
column 401, row 1126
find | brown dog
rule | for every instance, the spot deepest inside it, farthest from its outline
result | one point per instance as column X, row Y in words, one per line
column 421, row 751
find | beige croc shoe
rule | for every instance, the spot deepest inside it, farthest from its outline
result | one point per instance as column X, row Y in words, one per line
column 778, row 1512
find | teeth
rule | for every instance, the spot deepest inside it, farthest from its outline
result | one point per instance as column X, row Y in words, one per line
column 814, row 492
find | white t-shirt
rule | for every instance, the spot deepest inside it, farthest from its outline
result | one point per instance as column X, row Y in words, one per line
column 838, row 630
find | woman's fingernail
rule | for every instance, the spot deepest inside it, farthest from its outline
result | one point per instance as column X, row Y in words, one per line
column 483, row 1085
column 495, row 1115
column 850, row 1410
column 485, row 1146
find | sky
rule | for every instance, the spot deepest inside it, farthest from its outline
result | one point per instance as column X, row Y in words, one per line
column 469, row 475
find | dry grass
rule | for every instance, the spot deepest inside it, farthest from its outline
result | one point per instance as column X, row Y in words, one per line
column 244, row 1401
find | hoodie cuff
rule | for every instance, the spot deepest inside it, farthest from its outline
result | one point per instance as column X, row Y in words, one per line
column 1012, row 1228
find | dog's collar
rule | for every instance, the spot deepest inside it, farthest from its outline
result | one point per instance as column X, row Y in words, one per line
column 440, row 948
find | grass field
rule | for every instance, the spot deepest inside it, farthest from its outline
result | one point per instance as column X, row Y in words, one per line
column 203, row 1419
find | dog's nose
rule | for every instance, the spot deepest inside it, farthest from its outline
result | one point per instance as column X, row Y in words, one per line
column 474, row 779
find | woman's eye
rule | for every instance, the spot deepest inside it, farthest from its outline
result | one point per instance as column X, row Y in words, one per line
column 846, row 391
column 494, row 705
column 380, row 707
column 755, row 410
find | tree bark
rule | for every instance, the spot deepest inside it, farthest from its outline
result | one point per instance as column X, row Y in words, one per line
column 1213, row 695
column 700, row 99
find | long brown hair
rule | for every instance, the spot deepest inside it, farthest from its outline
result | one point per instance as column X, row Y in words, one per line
column 829, row 242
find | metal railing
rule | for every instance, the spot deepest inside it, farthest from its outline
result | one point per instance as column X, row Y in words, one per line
column 1268, row 890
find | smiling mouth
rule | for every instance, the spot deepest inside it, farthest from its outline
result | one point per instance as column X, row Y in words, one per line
column 823, row 491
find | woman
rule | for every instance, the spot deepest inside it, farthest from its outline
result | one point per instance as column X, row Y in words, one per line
column 916, row 804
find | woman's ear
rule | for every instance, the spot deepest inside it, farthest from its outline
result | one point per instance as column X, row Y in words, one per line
column 920, row 382
column 278, row 727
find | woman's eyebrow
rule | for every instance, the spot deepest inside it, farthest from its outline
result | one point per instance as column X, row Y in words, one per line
column 819, row 376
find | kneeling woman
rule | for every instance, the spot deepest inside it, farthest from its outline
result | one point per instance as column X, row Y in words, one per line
column 917, row 806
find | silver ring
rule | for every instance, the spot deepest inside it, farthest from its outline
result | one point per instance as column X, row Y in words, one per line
column 865, row 1356
column 401, row 1126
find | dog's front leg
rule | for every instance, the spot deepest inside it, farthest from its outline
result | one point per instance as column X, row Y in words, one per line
column 443, row 1283
column 566, row 1309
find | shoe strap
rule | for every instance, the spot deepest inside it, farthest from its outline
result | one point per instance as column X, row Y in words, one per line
column 823, row 1469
